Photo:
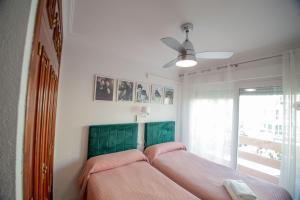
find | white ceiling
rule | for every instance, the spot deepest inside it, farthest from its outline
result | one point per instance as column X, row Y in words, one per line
column 132, row 28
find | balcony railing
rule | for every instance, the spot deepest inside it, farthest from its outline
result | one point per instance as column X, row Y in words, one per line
column 256, row 158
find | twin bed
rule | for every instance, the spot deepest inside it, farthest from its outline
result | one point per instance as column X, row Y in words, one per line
column 115, row 170
column 174, row 173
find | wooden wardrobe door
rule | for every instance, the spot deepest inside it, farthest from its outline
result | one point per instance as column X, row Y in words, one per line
column 50, row 139
column 49, row 135
column 41, row 124
column 42, row 101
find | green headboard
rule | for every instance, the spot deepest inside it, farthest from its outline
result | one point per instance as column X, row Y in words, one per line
column 159, row 132
column 105, row 139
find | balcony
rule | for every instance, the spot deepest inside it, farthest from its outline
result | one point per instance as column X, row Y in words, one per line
column 259, row 158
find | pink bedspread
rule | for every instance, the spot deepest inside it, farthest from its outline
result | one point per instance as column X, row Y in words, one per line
column 205, row 179
column 127, row 176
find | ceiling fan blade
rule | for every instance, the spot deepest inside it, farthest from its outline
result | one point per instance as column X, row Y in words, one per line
column 174, row 44
column 214, row 55
column 170, row 64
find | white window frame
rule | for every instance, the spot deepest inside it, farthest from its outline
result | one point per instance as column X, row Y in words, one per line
column 251, row 83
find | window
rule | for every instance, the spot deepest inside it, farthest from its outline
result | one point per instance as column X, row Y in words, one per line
column 259, row 151
column 238, row 126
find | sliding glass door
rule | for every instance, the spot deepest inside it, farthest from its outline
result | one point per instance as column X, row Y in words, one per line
column 239, row 124
column 260, row 128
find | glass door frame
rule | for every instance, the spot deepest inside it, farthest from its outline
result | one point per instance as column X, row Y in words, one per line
column 251, row 83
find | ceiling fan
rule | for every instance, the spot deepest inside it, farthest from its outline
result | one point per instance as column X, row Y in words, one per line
column 187, row 56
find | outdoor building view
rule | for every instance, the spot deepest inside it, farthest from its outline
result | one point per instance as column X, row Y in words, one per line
column 260, row 132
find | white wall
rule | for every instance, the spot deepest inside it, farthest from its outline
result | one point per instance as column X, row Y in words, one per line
column 16, row 32
column 77, row 110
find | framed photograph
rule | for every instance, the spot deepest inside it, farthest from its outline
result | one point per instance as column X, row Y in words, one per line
column 142, row 92
column 157, row 93
column 104, row 88
column 125, row 90
column 168, row 95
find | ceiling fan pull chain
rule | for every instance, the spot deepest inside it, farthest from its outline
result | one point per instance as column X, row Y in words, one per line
column 187, row 34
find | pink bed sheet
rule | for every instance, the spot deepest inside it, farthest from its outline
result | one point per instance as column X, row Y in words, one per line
column 205, row 179
column 133, row 180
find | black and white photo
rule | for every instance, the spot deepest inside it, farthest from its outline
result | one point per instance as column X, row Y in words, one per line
column 125, row 90
column 142, row 92
column 157, row 94
column 104, row 88
column 168, row 95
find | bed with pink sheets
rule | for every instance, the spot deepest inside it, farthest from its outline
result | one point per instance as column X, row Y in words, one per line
column 127, row 175
column 204, row 178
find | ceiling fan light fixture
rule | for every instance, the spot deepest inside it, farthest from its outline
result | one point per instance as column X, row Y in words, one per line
column 186, row 61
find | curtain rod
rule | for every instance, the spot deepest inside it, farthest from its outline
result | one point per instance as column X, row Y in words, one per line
column 258, row 59
column 232, row 65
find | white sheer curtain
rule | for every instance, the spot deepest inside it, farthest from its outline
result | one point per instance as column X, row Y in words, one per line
column 210, row 113
column 290, row 165
column 208, row 118
column 211, row 118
